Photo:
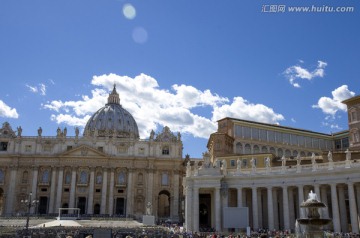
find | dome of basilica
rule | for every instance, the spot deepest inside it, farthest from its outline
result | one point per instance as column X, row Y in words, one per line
column 112, row 120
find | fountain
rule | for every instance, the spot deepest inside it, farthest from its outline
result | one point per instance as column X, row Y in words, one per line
column 313, row 223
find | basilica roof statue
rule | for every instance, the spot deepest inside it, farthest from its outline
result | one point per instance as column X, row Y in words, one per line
column 112, row 120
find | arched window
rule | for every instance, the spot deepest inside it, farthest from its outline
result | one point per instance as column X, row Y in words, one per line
column 45, row 176
column 272, row 150
column 165, row 150
column 164, row 179
column 280, row 152
column 302, row 154
column 264, row 149
column 247, row 149
column 256, row 149
column 67, row 177
column 287, row 153
column 295, row 153
column 121, row 178
column 238, row 148
column 83, row 177
column 98, row 178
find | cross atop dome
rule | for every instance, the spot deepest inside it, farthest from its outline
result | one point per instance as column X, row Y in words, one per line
column 114, row 97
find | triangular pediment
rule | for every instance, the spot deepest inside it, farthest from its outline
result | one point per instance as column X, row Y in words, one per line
column 83, row 151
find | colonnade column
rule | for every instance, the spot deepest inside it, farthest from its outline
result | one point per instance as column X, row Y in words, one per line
column 335, row 208
column 59, row 189
column 239, row 197
column 357, row 186
column 111, row 193
column 275, row 209
column 301, row 199
column 175, row 210
column 317, row 191
column 353, row 209
column 34, row 186
column 217, row 210
column 10, row 198
column 342, row 208
column 52, row 190
column 103, row 192
column 72, row 189
column 286, row 208
column 255, row 209
column 150, row 187
column 188, row 208
column 291, row 208
column 270, row 208
column 90, row 207
column 129, row 194
column 196, row 209
column 325, row 211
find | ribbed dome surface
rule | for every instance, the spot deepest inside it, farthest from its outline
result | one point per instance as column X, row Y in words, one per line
column 112, row 120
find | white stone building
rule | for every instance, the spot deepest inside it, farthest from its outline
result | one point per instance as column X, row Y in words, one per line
column 270, row 169
column 108, row 171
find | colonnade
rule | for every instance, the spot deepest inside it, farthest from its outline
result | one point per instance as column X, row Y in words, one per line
column 278, row 206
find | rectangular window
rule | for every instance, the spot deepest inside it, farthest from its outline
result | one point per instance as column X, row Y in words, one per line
column 263, row 136
column 97, row 190
column 100, row 148
column 27, row 148
column 255, row 134
column 286, row 138
column 69, row 147
column 44, row 190
column 247, row 132
column 3, row 146
column 66, row 190
column 271, row 136
column 238, row 132
column 232, row 163
column 294, row 139
column 141, row 151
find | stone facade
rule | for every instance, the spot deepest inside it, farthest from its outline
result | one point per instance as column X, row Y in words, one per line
column 108, row 171
column 270, row 169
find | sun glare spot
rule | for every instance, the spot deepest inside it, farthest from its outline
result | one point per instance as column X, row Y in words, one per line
column 139, row 35
column 129, row 11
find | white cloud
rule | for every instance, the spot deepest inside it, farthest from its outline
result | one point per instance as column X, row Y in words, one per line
column 332, row 105
column 296, row 72
column 41, row 89
column 6, row 111
column 241, row 108
column 152, row 106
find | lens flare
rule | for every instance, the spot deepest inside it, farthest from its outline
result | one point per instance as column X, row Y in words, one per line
column 129, row 11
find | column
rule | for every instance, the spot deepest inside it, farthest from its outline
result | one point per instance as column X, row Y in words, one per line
column 270, row 208
column 52, row 190
column 217, row 210
column 196, row 209
column 239, row 197
column 59, row 189
column 111, row 193
column 342, row 209
column 150, row 187
column 335, row 208
column 176, row 197
column 260, row 208
column 286, row 208
column 129, row 194
column 34, row 186
column 301, row 199
column 317, row 191
column 275, row 209
column 255, row 208
column 188, row 208
column 291, row 208
column 357, row 186
column 10, row 198
column 103, row 192
column 90, row 208
column 353, row 209
column 72, row 189
column 325, row 211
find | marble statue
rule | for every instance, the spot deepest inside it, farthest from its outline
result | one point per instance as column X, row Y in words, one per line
column 39, row 131
column 267, row 162
column 348, row 154
column 148, row 208
column 19, row 131
column 330, row 157
column 283, row 161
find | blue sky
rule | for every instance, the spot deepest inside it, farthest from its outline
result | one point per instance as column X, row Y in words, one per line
column 184, row 64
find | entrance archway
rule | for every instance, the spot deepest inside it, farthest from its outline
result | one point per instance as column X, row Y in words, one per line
column 81, row 204
column 164, row 205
